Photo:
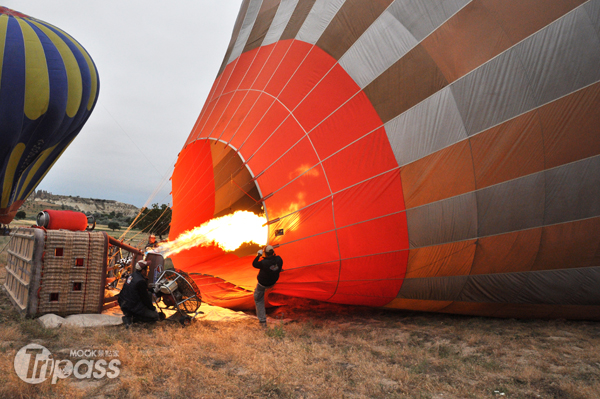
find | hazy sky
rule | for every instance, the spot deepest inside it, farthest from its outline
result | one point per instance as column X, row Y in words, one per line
column 157, row 62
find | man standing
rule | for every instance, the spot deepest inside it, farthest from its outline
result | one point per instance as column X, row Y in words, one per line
column 135, row 300
column 270, row 266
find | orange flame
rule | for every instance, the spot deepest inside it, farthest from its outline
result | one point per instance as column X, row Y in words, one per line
column 228, row 232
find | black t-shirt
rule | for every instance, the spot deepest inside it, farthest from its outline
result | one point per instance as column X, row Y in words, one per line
column 270, row 267
column 135, row 296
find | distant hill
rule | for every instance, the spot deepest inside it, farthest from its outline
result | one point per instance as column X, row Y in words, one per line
column 41, row 200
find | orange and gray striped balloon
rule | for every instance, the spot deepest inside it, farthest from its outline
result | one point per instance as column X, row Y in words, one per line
column 432, row 155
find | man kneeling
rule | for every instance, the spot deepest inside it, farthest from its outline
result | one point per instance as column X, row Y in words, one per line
column 135, row 300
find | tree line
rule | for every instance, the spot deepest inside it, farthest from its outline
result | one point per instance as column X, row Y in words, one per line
column 155, row 220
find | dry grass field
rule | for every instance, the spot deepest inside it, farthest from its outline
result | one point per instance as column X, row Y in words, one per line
column 321, row 351
column 325, row 351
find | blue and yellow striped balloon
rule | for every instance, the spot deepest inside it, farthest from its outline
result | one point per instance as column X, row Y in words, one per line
column 48, row 88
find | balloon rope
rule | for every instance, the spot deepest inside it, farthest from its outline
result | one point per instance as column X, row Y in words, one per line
column 188, row 175
column 156, row 190
column 157, row 219
column 125, row 133
column 251, row 197
column 133, row 223
column 5, row 246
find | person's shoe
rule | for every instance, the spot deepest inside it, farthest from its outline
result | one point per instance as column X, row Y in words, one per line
column 263, row 324
column 127, row 321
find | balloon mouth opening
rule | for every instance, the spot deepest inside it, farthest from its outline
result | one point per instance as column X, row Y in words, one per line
column 235, row 186
column 236, row 190
column 237, row 224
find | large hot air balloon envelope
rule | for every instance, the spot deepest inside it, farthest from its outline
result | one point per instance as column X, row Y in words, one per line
column 48, row 89
column 430, row 155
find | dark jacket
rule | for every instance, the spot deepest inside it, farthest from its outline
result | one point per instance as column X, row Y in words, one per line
column 134, row 296
column 270, row 267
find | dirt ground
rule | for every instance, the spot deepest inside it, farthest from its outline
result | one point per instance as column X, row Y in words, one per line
column 319, row 351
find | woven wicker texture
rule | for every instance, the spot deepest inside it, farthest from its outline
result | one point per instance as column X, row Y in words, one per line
column 73, row 273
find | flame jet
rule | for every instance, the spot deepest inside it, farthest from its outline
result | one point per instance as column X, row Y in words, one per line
column 227, row 232
column 430, row 155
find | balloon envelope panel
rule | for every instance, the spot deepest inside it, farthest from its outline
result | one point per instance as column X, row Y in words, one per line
column 425, row 155
column 48, row 89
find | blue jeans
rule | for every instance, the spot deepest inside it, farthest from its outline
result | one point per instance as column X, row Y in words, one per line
column 259, row 300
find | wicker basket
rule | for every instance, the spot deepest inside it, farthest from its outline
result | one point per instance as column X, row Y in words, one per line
column 56, row 271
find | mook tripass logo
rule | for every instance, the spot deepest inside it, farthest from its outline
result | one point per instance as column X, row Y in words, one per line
column 34, row 364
